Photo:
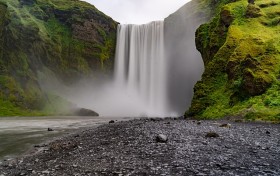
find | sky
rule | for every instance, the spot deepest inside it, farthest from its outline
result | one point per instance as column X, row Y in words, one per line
column 137, row 11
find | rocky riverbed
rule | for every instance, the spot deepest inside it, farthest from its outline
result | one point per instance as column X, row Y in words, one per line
column 158, row 147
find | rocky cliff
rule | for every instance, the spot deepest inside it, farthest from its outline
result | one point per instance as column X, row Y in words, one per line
column 240, row 47
column 67, row 38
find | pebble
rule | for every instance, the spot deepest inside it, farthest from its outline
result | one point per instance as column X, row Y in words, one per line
column 161, row 138
column 130, row 149
column 211, row 135
column 111, row 121
column 46, row 172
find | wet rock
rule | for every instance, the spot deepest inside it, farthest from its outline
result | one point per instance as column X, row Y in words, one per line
column 198, row 123
column 40, row 145
column 161, row 138
column 267, row 132
column 50, row 129
column 85, row 112
column 211, row 135
column 111, row 121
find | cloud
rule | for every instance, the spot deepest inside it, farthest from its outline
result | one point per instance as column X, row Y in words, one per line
column 137, row 11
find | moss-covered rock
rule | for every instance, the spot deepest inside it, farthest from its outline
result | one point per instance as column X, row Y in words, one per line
column 71, row 38
column 241, row 52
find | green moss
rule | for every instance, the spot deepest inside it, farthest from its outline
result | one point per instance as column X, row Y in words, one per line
column 57, row 34
column 242, row 64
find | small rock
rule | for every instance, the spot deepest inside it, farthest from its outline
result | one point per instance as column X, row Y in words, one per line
column 46, row 172
column 226, row 125
column 198, row 123
column 267, row 132
column 50, row 129
column 161, row 138
column 257, row 144
column 211, row 135
column 111, row 121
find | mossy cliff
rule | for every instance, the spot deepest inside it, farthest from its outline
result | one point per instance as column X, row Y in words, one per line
column 69, row 38
column 240, row 48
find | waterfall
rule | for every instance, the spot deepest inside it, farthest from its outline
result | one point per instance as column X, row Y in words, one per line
column 140, row 66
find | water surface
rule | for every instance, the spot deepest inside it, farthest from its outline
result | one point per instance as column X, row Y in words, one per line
column 19, row 134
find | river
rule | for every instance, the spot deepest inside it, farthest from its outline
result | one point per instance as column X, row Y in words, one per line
column 19, row 134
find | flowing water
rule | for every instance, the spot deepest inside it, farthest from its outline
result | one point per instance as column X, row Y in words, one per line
column 18, row 134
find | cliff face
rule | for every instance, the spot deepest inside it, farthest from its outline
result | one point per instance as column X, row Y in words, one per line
column 184, row 61
column 240, row 47
column 68, row 38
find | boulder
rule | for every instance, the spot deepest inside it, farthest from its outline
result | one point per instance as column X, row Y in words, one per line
column 85, row 112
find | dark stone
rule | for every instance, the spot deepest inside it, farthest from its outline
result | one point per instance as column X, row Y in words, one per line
column 161, row 138
column 111, row 121
column 199, row 123
column 85, row 112
column 39, row 146
column 50, row 129
column 211, row 135
column 267, row 132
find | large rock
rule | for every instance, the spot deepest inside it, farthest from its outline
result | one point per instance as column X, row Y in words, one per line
column 85, row 112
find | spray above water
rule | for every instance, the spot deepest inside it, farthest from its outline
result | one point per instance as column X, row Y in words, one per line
column 156, row 68
column 140, row 66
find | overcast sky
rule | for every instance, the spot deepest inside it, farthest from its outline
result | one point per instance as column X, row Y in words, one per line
column 137, row 11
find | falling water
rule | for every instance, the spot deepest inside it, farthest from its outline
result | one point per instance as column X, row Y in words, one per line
column 140, row 65
column 156, row 68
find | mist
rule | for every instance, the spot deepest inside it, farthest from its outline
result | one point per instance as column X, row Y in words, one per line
column 171, row 89
column 185, row 62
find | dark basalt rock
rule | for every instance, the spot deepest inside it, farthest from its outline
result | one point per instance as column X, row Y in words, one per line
column 211, row 135
column 225, row 125
column 85, row 112
column 161, row 138
column 111, row 121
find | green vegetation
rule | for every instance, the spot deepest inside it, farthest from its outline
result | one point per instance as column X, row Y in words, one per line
column 71, row 38
column 240, row 47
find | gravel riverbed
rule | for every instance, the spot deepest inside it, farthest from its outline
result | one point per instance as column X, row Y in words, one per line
column 133, row 148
